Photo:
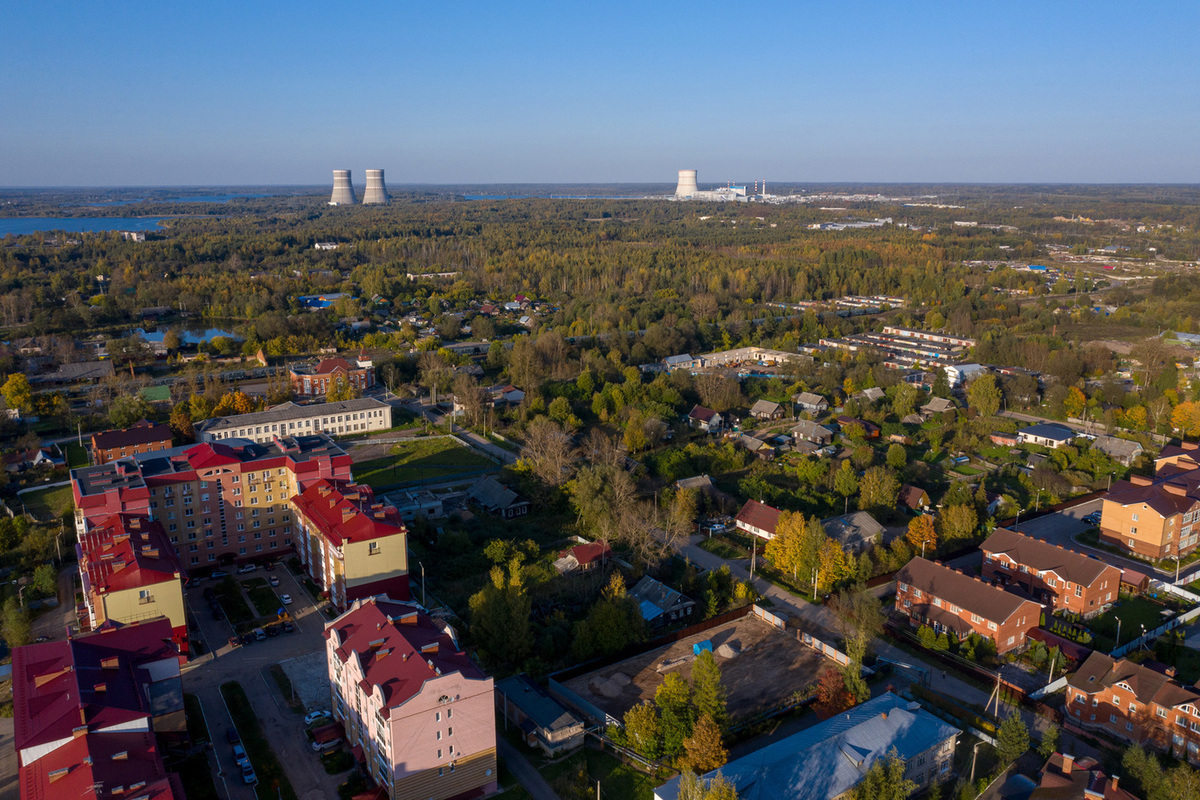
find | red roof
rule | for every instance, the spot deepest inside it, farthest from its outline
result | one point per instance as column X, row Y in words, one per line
column 399, row 646
column 102, row 765
column 587, row 553
column 210, row 454
column 347, row 512
column 127, row 551
column 759, row 515
column 703, row 414
column 328, row 365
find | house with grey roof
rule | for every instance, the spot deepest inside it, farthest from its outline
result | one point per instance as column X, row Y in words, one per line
column 1047, row 434
column 811, row 402
column 855, row 531
column 361, row 415
column 766, row 410
column 659, row 604
column 808, row 431
column 872, row 395
column 543, row 722
column 496, row 498
column 1123, row 451
column 832, row 757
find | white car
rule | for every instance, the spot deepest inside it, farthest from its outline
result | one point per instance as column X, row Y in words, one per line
column 247, row 568
column 286, row 598
column 313, row 716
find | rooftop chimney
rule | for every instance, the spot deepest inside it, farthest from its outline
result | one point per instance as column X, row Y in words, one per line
column 1068, row 763
column 1112, row 783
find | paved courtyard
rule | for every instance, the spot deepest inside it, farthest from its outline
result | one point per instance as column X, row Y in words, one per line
column 309, row 676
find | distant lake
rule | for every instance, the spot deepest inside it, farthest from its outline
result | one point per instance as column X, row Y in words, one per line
column 26, row 225
column 190, row 337
column 196, row 198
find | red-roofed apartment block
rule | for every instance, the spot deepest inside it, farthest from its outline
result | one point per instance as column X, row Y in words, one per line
column 310, row 381
column 130, row 573
column 86, row 711
column 411, row 702
column 351, row 545
column 144, row 437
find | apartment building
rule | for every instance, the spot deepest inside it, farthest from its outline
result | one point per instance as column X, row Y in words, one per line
column 1052, row 575
column 143, row 437
column 218, row 503
column 1135, row 703
column 129, row 572
column 361, row 415
column 411, row 702
column 351, row 545
column 950, row 602
column 316, row 381
column 87, row 711
column 1154, row 517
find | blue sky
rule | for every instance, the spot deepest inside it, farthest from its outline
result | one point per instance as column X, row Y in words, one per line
column 265, row 92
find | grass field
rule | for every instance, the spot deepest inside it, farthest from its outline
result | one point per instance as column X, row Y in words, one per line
column 722, row 548
column 1134, row 612
column 76, row 455
column 577, row 775
column 51, row 502
column 428, row 460
column 265, row 601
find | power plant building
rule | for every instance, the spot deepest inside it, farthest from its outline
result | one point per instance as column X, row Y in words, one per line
column 688, row 189
column 343, row 189
column 376, row 192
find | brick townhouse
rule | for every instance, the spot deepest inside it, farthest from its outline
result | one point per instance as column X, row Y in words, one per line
column 143, row 437
column 418, row 714
column 1136, row 704
column 1052, row 575
column 315, row 381
column 948, row 601
column 1154, row 517
column 218, row 503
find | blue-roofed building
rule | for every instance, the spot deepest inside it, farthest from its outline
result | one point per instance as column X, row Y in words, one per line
column 1047, row 434
column 659, row 603
column 542, row 721
column 829, row 759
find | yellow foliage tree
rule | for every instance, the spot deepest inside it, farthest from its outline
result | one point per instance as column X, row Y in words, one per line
column 922, row 533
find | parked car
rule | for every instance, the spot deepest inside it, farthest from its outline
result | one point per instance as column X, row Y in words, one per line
column 1093, row 518
column 231, row 735
column 248, row 776
column 288, row 627
column 260, row 634
column 217, row 613
column 319, row 747
column 270, row 566
column 286, row 598
column 272, row 630
column 239, row 755
column 317, row 714
column 219, row 573
column 247, row 638
column 244, row 568
column 273, row 580
column 235, row 641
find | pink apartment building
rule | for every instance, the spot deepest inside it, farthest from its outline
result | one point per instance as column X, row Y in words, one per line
column 417, row 713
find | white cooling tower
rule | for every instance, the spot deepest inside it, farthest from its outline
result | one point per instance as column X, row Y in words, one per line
column 376, row 192
column 343, row 190
column 687, row 183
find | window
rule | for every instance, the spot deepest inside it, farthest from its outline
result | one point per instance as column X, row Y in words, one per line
column 1134, row 518
column 439, row 736
column 1162, row 712
column 373, row 549
column 1078, row 590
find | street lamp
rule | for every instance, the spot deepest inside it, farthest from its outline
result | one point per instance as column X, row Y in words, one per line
column 422, row 566
column 974, row 753
column 1118, row 632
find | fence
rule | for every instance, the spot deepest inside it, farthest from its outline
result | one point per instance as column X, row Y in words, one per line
column 1049, row 688
column 1148, row 636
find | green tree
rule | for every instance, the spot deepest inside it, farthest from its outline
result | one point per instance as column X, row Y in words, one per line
column 1012, row 739
column 14, row 624
column 885, row 780
column 674, row 702
column 181, row 422
column 703, row 749
column 45, row 580
column 897, row 457
column 128, row 409
column 342, row 389
column 500, row 616
column 643, row 731
column 708, row 693
column 1049, row 744
column 612, row 624
column 692, row 787
column 860, row 619
column 904, row 402
column 18, row 393
column 845, row 482
column 983, row 395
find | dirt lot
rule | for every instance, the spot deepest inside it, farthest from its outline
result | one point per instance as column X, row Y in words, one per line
column 769, row 666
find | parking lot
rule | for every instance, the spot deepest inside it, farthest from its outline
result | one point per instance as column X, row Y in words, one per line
column 248, row 664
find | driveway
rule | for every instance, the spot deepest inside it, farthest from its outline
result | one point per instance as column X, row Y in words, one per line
column 248, row 664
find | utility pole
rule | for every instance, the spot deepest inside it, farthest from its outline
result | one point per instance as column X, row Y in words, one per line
column 754, row 556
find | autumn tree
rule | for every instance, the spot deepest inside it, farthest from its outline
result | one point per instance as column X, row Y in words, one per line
column 1186, row 418
column 897, row 457
column 342, row 389
column 832, row 695
column 676, row 714
column 834, row 565
column 1075, row 402
column 878, row 489
column 860, row 619
column 15, row 625
column 18, row 393
column 500, row 616
column 693, row 787
column 643, row 731
column 958, row 522
column 718, row 392
column 922, row 534
column 904, row 402
column 703, row 750
column 845, row 481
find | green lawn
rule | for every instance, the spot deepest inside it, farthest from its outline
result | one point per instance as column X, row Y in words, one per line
column 76, row 455
column 1134, row 612
column 431, row 459
column 195, row 771
column 266, row 765
column 577, row 775
column 51, row 502
column 722, row 548
column 265, row 601
column 232, row 602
